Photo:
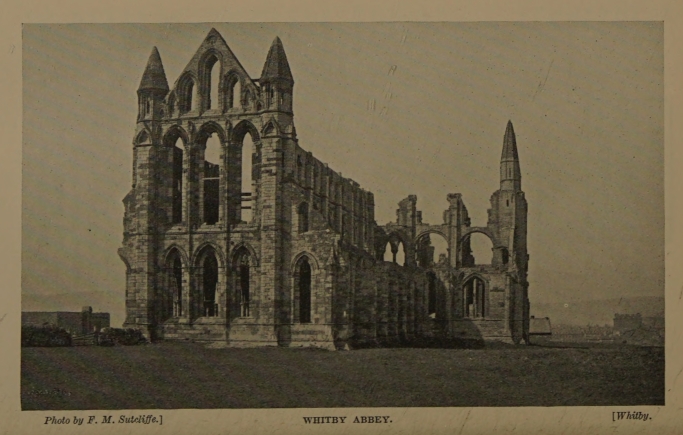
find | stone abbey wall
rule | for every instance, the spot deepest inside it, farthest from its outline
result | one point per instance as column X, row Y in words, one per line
column 295, row 257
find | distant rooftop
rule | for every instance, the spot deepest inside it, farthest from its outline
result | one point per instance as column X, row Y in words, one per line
column 539, row 326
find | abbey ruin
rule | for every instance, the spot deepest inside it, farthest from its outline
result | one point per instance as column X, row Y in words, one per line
column 270, row 246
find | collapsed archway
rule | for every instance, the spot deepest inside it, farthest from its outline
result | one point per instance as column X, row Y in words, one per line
column 476, row 249
column 431, row 249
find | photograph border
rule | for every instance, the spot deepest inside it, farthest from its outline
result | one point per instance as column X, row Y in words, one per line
column 566, row 420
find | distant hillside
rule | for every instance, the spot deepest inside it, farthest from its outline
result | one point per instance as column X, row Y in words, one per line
column 114, row 304
column 598, row 312
column 595, row 312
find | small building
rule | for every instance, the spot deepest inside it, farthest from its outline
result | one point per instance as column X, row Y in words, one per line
column 539, row 326
column 640, row 330
column 627, row 322
column 76, row 323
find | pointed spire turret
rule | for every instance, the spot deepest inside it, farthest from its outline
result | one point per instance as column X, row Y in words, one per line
column 276, row 79
column 510, row 173
column 276, row 66
column 154, row 76
column 509, row 144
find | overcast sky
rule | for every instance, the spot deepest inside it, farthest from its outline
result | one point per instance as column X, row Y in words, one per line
column 401, row 108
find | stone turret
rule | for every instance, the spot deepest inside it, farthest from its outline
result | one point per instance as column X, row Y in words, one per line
column 510, row 173
column 276, row 79
column 153, row 88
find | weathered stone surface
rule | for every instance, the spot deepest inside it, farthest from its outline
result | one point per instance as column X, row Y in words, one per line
column 302, row 265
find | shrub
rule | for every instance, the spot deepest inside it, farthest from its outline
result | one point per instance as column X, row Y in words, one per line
column 47, row 335
column 126, row 337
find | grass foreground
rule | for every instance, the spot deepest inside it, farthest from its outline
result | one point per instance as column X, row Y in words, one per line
column 171, row 375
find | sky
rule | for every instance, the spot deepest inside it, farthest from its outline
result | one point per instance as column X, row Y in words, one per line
column 401, row 108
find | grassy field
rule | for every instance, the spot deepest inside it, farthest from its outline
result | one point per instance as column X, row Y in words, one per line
column 187, row 375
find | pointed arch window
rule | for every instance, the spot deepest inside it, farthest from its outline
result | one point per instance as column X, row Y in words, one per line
column 270, row 129
column 234, row 92
column 400, row 254
column 244, row 282
column 303, row 279
column 387, row 255
column 189, row 94
column 177, row 280
column 394, row 251
column 143, row 138
column 245, row 158
column 174, row 268
column 171, row 104
column 186, row 92
column 247, row 174
column 302, row 213
column 174, row 142
column 209, row 281
column 269, row 95
column 212, row 69
column 211, row 180
column 247, row 99
column 177, row 194
column 299, row 168
column 474, row 298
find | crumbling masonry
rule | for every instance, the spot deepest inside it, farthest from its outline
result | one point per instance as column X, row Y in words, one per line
column 288, row 252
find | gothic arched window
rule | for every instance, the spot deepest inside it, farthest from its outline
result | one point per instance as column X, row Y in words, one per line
column 302, row 212
column 212, row 78
column 243, row 277
column 303, row 290
column 209, row 282
column 186, row 94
